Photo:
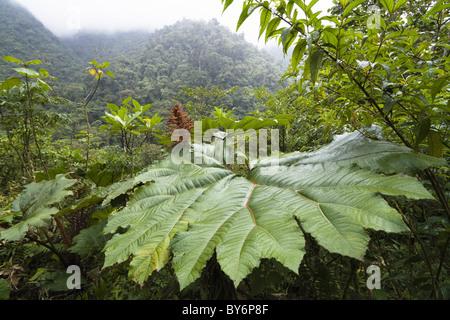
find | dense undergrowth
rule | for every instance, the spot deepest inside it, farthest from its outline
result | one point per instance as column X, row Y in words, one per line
column 361, row 177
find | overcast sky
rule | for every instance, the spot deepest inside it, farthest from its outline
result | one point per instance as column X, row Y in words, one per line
column 65, row 17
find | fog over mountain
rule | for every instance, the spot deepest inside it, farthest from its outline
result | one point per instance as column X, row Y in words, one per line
column 66, row 18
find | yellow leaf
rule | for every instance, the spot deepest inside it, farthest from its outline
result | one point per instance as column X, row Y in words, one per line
column 93, row 71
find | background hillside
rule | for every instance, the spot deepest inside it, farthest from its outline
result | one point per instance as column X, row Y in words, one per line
column 154, row 67
column 26, row 38
column 357, row 208
column 150, row 67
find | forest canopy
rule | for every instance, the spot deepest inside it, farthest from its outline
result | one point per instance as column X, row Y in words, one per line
column 188, row 164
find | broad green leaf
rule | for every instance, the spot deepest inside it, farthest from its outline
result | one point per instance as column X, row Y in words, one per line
column 311, row 4
column 367, row 153
column 154, row 216
column 112, row 107
column 388, row 105
column 398, row 4
column 34, row 203
column 335, row 204
column 226, row 4
column 437, row 7
column 34, row 62
column 297, row 54
column 329, row 37
column 287, row 37
column 89, row 240
column 437, row 86
column 315, row 64
column 265, row 17
column 247, row 10
column 422, row 130
column 44, row 85
column 27, row 72
column 272, row 28
column 352, row 5
column 388, row 69
column 388, row 5
column 12, row 59
column 361, row 65
column 243, row 228
column 94, row 198
column 10, row 83
column 193, row 211
column 126, row 101
column 136, row 104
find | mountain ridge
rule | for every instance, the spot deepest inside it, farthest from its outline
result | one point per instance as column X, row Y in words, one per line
column 151, row 66
column 26, row 38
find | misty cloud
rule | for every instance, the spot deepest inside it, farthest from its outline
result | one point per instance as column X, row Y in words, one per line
column 65, row 18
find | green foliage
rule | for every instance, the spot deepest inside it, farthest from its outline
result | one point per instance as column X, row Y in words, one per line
column 128, row 121
column 24, row 118
column 368, row 151
column 201, row 101
column 307, row 129
column 4, row 289
column 247, row 123
column 385, row 65
column 25, row 37
column 90, row 240
column 303, row 223
column 34, row 205
column 187, row 54
column 120, row 121
column 191, row 54
column 332, row 52
column 193, row 211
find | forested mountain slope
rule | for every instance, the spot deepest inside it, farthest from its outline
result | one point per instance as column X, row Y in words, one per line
column 189, row 53
column 107, row 46
column 335, row 187
column 26, row 38
column 150, row 67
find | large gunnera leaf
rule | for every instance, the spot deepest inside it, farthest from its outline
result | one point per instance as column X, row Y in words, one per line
column 193, row 211
column 35, row 205
column 367, row 153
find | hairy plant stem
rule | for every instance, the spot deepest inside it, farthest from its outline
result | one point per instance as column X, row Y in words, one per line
column 65, row 236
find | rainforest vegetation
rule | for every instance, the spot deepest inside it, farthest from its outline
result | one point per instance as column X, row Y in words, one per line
column 351, row 173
